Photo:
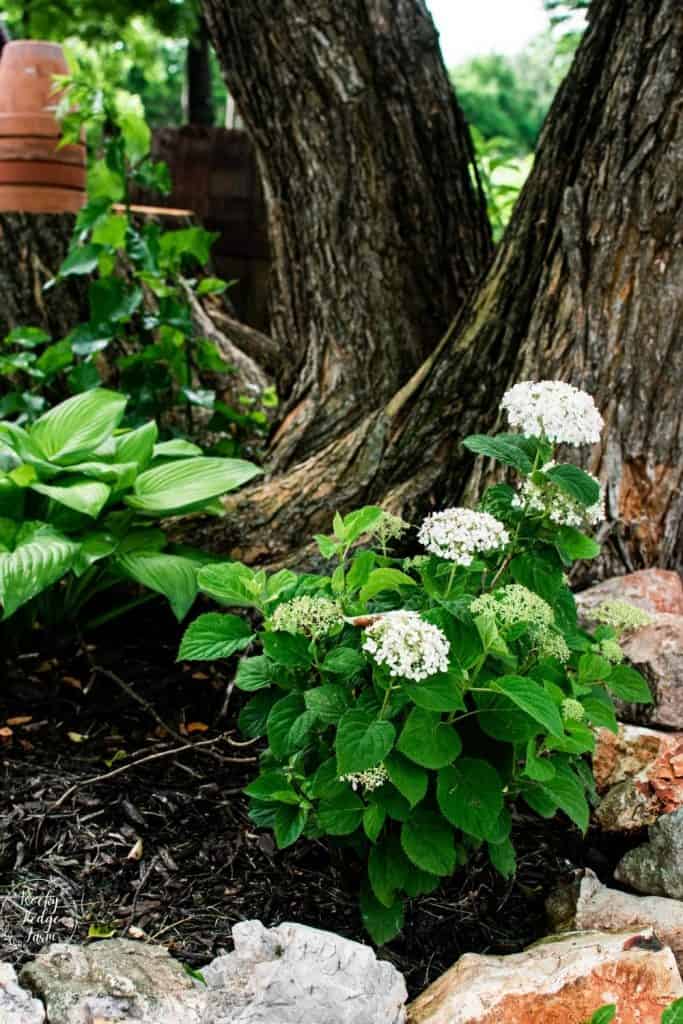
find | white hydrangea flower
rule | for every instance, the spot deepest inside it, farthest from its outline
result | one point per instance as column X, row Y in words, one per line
column 572, row 710
column 547, row 499
column 458, row 534
column 371, row 778
column 312, row 616
column 555, row 410
column 410, row 647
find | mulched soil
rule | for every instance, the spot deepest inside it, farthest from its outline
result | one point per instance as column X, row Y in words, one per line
column 167, row 850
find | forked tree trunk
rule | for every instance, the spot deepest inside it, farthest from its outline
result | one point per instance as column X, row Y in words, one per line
column 587, row 286
column 378, row 229
column 32, row 247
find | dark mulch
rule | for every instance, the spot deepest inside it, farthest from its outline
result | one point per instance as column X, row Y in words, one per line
column 203, row 865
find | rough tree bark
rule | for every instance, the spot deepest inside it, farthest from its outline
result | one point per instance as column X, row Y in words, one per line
column 32, row 247
column 587, row 286
column 200, row 106
column 378, row 229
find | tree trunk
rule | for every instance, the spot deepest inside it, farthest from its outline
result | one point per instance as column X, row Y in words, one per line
column 587, row 286
column 32, row 247
column 200, row 106
column 378, row 227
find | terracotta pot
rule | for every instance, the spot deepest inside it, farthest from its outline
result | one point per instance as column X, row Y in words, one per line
column 35, row 176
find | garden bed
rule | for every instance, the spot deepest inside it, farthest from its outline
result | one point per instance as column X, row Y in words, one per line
column 203, row 866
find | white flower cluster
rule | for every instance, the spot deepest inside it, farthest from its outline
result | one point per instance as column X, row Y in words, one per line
column 621, row 615
column 458, row 534
column 410, row 647
column 513, row 604
column 371, row 778
column 572, row 710
column 555, row 410
column 312, row 616
column 547, row 499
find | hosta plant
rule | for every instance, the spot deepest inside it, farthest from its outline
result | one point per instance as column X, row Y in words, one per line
column 80, row 504
column 409, row 703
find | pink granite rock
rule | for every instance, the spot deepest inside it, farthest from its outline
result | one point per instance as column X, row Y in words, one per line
column 653, row 590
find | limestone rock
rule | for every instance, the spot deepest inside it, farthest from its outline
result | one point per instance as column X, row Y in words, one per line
column 657, row 652
column 599, row 907
column 294, row 974
column 627, row 807
column 16, row 1005
column 113, row 980
column 653, row 590
column 656, row 867
column 559, row 981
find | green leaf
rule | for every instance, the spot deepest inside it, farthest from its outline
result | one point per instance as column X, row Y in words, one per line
column 539, row 769
column 532, row 699
column 112, row 301
column 503, row 450
column 470, row 796
column 137, row 445
column 391, row 801
column 502, row 856
column 289, row 724
column 600, row 710
column 289, row 824
column 574, row 544
column 382, row 923
column 325, row 784
column 409, row 778
column 329, row 702
column 343, row 661
column 82, row 260
column 231, row 583
column 80, row 494
column 253, row 718
column 178, row 448
column 341, row 815
column 374, row 817
column 568, row 793
column 606, row 1014
column 289, row 649
column 111, row 230
column 362, row 742
column 213, row 635
column 55, row 358
column 627, row 684
column 428, row 741
column 360, row 521
column 387, row 870
column 574, row 482
column 171, row 575
column 94, row 547
column 428, row 842
column 273, row 787
column 188, row 484
column 211, row 286
column 593, row 668
column 253, row 673
column 384, row 579
column 27, row 337
column 79, row 425
column 41, row 557
column 672, row 1015
column 193, row 242
column 440, row 692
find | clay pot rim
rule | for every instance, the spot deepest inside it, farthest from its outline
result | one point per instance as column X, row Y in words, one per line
column 15, row 43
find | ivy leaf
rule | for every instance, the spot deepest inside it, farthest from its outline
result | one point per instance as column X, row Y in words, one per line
column 427, row 840
column 362, row 742
column 470, row 796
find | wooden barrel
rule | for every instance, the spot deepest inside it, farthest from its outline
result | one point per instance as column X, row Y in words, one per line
column 35, row 176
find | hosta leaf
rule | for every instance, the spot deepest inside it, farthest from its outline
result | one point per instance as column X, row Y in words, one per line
column 80, row 494
column 137, row 445
column 41, row 557
column 214, row 635
column 470, row 796
column 362, row 742
column 176, row 449
column 171, row 575
column 187, row 484
column 427, row 840
column 76, row 427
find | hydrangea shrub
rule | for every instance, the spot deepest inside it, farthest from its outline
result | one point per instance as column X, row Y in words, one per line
column 408, row 703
